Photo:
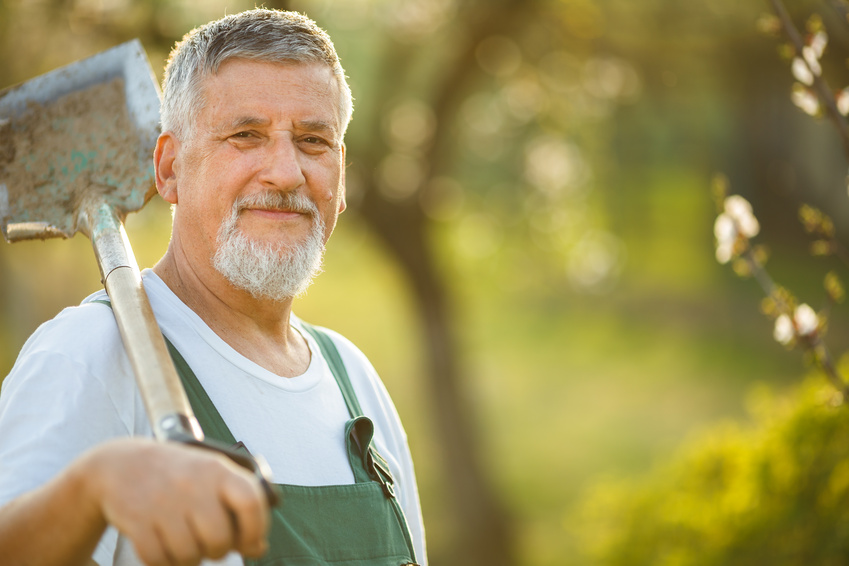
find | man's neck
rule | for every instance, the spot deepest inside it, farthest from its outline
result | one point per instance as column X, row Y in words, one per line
column 257, row 328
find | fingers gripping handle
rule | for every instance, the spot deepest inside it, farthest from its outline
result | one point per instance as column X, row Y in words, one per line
column 254, row 464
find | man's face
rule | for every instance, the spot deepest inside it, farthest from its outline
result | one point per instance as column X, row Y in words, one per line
column 265, row 128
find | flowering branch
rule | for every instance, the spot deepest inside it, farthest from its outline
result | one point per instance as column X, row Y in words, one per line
column 806, row 68
column 794, row 324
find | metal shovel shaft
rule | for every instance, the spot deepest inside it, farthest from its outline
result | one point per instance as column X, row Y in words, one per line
column 168, row 408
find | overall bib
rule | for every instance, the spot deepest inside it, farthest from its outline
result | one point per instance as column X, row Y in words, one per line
column 361, row 524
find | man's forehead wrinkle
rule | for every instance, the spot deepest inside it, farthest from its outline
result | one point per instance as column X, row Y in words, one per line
column 320, row 88
column 249, row 120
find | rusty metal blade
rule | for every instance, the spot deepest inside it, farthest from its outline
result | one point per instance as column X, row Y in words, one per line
column 84, row 131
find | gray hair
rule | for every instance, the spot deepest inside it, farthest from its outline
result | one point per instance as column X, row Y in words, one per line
column 262, row 35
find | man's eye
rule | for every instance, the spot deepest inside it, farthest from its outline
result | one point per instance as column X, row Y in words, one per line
column 243, row 135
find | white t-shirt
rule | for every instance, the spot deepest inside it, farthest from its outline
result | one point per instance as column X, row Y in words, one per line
column 72, row 388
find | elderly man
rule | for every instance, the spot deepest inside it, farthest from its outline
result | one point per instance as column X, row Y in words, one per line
column 253, row 160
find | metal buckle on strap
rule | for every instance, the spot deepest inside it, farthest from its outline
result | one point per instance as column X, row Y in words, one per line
column 384, row 476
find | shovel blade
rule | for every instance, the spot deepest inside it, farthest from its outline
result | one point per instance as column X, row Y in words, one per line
column 81, row 133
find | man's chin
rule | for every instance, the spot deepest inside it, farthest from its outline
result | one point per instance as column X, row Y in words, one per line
column 271, row 270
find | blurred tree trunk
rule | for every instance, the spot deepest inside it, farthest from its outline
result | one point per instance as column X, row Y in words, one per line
column 483, row 531
column 483, row 535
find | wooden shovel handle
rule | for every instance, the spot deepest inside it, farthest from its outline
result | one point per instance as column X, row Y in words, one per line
column 168, row 408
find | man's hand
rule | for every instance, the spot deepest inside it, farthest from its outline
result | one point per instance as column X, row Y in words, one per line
column 177, row 504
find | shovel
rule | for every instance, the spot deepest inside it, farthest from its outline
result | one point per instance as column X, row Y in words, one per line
column 76, row 146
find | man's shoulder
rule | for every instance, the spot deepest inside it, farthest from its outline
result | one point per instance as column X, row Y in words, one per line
column 75, row 332
column 363, row 376
column 93, row 317
column 346, row 348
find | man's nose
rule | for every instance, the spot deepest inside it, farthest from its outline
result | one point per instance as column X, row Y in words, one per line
column 281, row 168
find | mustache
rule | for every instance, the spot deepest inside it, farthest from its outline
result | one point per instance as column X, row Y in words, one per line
column 277, row 200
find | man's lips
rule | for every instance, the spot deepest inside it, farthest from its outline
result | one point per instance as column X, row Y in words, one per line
column 275, row 213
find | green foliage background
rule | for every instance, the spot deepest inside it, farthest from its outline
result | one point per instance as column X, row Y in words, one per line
column 598, row 333
column 774, row 492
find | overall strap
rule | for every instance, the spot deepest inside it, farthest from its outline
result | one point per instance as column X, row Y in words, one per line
column 337, row 368
column 211, row 421
column 375, row 465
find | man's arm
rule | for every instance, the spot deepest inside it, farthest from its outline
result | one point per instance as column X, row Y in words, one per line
column 51, row 524
column 176, row 504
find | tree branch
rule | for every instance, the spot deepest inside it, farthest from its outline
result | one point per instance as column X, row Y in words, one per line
column 842, row 9
column 812, row 343
column 820, row 85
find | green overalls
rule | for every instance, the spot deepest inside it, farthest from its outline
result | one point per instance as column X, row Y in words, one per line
column 360, row 524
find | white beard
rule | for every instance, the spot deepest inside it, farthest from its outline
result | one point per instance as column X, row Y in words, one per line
column 268, row 270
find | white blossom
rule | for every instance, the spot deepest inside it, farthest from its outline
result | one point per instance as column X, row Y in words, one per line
column 737, row 206
column 818, row 43
column 724, row 253
column 842, row 100
column 783, row 331
column 804, row 323
column 806, row 320
column 812, row 60
column 735, row 222
column 806, row 100
column 801, row 72
column 726, row 235
column 724, row 228
column 740, row 212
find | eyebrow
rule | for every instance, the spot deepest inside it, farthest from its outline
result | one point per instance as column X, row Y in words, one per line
column 319, row 126
column 316, row 126
column 247, row 121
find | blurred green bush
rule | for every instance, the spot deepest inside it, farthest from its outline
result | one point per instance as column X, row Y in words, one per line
column 774, row 492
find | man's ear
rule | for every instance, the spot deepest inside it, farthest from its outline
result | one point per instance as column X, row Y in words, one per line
column 342, row 204
column 164, row 160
